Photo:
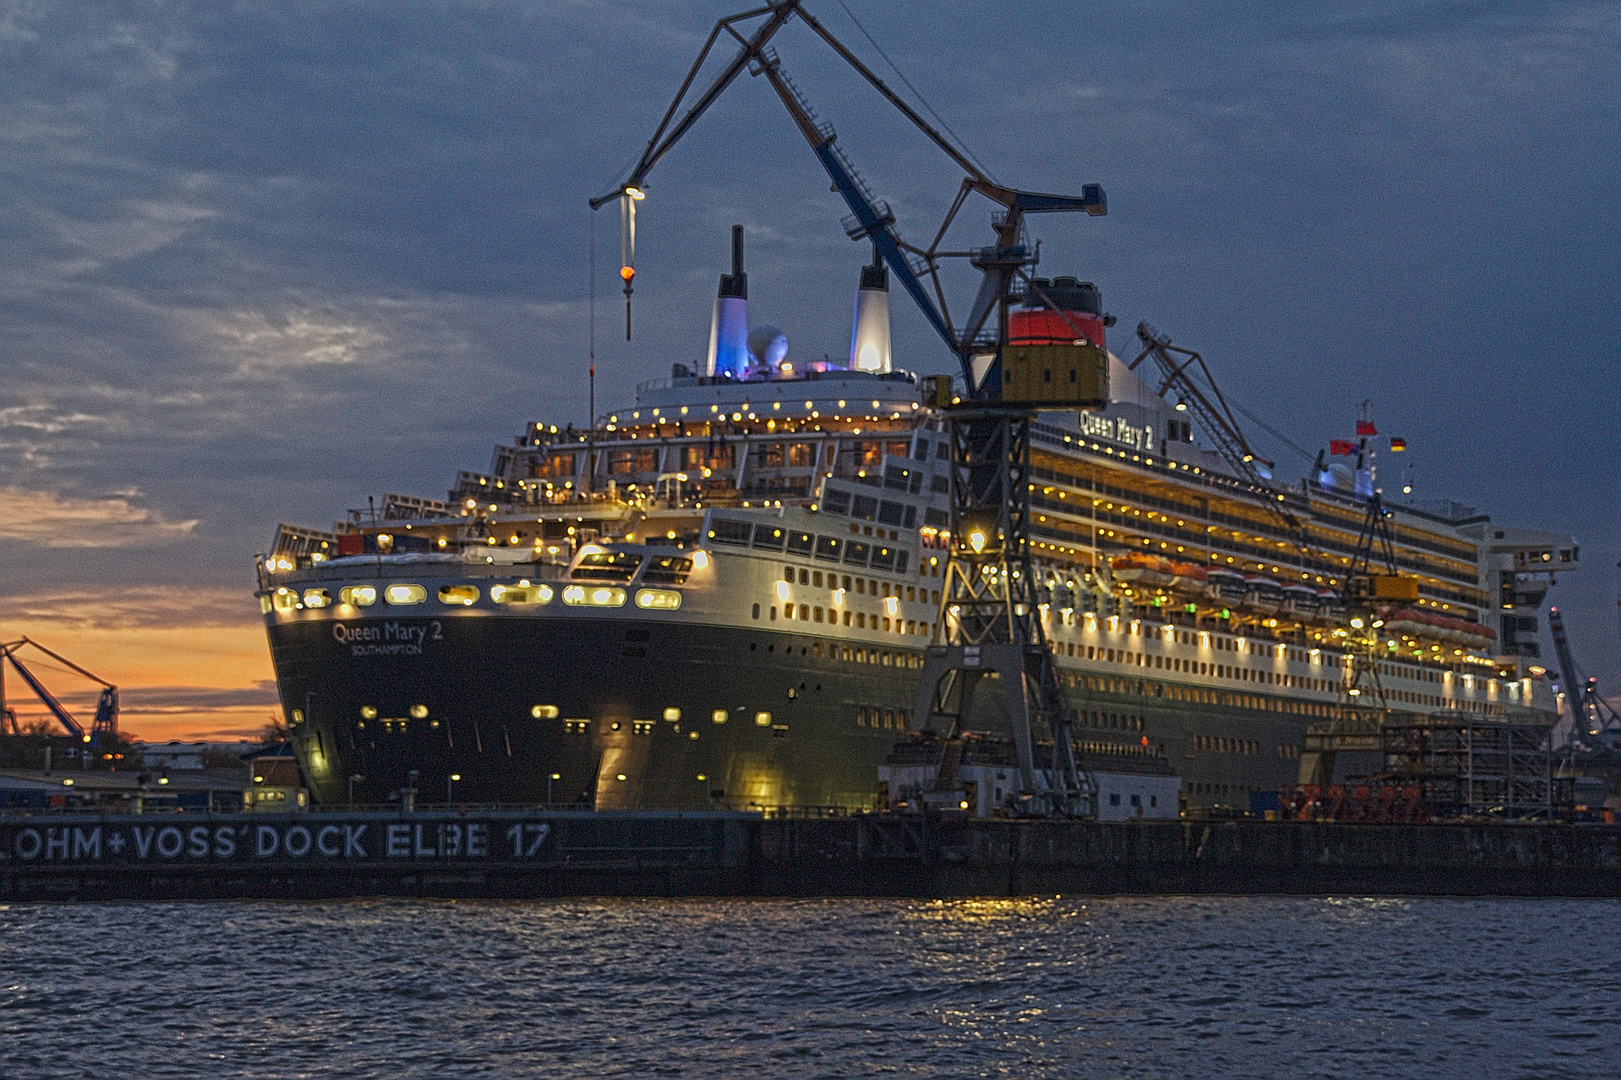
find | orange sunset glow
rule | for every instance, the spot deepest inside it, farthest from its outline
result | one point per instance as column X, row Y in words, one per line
column 189, row 664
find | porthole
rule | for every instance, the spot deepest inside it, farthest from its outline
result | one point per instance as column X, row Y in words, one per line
column 401, row 595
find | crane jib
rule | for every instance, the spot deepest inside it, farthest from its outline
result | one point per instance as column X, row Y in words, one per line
column 883, row 240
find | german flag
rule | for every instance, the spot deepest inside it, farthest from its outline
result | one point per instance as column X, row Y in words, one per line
column 1397, row 444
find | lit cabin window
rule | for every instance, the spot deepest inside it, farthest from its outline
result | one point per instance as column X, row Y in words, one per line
column 264, row 604
column 464, row 595
column 545, row 712
column 359, row 595
column 317, row 598
column 594, row 596
column 719, row 716
column 521, row 594
column 368, row 712
column 285, row 599
column 658, row 599
column 762, row 719
column 419, row 712
column 672, row 714
column 405, row 594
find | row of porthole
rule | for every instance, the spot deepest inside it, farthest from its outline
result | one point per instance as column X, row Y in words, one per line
column 406, row 595
column 671, row 715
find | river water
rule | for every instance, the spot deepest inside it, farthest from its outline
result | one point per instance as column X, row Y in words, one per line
column 1158, row 987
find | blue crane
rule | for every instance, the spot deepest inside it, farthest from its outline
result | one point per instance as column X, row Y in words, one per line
column 104, row 725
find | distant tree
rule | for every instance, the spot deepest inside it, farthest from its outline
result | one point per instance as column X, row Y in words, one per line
column 274, row 731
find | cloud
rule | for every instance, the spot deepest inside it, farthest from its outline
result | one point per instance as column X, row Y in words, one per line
column 140, row 607
column 61, row 521
column 196, row 700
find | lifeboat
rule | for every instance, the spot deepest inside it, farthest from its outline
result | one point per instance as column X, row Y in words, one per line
column 1190, row 577
column 1227, row 586
column 1301, row 600
column 1427, row 624
column 1329, row 604
column 1263, row 594
column 1141, row 569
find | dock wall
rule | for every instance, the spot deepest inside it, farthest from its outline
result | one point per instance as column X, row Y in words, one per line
column 539, row 854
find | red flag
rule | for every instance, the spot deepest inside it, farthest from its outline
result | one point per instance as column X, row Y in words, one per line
column 1397, row 444
column 1341, row 448
column 1365, row 427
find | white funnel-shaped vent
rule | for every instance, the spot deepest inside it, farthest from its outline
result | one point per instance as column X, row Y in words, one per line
column 729, row 325
column 869, row 339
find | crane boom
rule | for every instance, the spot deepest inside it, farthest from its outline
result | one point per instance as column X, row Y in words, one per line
column 1567, row 662
column 57, row 709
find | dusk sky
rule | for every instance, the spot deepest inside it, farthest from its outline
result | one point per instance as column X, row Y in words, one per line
column 262, row 260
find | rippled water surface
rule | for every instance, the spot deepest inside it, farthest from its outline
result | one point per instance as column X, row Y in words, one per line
column 1191, row 987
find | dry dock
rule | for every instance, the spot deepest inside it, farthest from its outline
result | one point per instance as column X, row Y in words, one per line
column 515, row 853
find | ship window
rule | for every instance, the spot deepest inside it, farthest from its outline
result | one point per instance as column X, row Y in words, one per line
column 400, row 595
column 762, row 719
column 521, row 594
column 665, row 600
column 861, row 583
column 836, row 501
column 464, row 595
column 594, row 596
column 891, row 513
column 804, row 612
column 801, row 543
column 804, row 577
column 816, row 579
column 756, row 613
column 846, row 618
column 864, row 507
column 317, row 598
column 544, row 712
column 608, row 566
column 770, row 537
column 671, row 570
column 861, row 620
column 818, row 615
column 729, row 532
column 883, row 558
column 718, row 716
column 827, row 547
column 856, row 554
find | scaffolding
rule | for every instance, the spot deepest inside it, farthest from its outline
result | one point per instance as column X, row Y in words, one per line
column 1468, row 764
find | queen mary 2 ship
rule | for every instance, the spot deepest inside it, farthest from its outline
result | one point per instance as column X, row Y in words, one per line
column 721, row 593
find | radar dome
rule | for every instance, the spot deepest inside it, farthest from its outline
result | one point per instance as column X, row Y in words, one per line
column 1342, row 474
column 768, row 346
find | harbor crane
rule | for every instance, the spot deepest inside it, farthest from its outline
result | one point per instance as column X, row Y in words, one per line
column 105, row 724
column 1370, row 581
column 989, row 620
column 1215, row 418
column 1594, row 724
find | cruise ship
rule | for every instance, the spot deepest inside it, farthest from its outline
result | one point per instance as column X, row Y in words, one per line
column 719, row 595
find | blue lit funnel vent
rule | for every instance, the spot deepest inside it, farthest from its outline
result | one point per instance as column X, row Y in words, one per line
column 729, row 327
column 869, row 337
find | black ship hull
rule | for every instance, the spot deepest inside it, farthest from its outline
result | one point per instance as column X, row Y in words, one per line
column 624, row 714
